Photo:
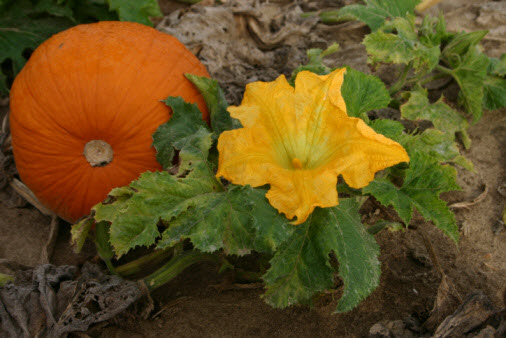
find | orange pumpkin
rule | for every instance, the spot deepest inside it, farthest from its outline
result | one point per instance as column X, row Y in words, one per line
column 85, row 106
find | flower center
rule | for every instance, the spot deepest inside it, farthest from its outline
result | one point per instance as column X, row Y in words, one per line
column 297, row 164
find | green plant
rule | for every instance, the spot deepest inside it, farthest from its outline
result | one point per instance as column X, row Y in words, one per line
column 187, row 203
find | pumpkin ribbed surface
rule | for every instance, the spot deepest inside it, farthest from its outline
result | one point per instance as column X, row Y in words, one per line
column 95, row 82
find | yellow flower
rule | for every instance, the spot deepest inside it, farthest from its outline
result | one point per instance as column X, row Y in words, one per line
column 299, row 140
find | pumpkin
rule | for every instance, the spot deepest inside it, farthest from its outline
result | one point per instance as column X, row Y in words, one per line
column 85, row 105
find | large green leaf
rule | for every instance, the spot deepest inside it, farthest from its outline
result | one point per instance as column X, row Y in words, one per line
column 438, row 145
column 135, row 211
column 137, row 11
column 497, row 66
column 460, row 44
column 237, row 220
column 435, row 143
column 363, row 92
column 186, row 120
column 301, row 267
column 494, row 92
column 216, row 103
column 470, row 74
column 390, row 128
column 440, row 114
column 397, row 42
column 374, row 13
column 425, row 180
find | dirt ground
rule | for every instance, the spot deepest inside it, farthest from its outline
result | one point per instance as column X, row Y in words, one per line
column 200, row 302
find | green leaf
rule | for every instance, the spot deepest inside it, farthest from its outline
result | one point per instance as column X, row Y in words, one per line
column 440, row 114
column 237, row 221
column 460, row 44
column 390, row 128
column 402, row 47
column 79, row 233
column 216, row 103
column 375, row 12
column 363, row 92
column 438, row 145
column 193, row 154
column 494, row 93
column 136, row 11
column 301, row 267
column 272, row 228
column 22, row 29
column 470, row 74
column 135, row 211
column 497, row 66
column 55, row 8
column 425, row 180
column 433, row 30
column 186, row 120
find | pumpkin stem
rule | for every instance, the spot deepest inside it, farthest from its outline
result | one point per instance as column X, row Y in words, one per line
column 98, row 153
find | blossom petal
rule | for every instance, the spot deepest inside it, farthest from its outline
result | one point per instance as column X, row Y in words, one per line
column 325, row 89
column 364, row 153
column 245, row 157
column 298, row 192
column 262, row 101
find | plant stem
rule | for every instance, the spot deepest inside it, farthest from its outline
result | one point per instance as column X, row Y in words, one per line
column 444, row 70
column 402, row 79
column 175, row 266
column 103, row 246
column 138, row 265
column 433, row 78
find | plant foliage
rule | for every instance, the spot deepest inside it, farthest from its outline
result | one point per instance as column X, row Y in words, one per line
column 186, row 202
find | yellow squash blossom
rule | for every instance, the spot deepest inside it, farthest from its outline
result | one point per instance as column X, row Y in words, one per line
column 299, row 140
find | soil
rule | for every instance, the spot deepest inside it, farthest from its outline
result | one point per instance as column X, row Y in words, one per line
column 200, row 302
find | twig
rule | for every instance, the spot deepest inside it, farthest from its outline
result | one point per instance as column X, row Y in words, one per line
column 432, row 253
column 48, row 249
column 467, row 204
column 13, row 266
column 168, row 305
column 28, row 195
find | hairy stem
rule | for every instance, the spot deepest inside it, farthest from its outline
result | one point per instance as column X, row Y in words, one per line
column 433, row 77
column 140, row 264
column 444, row 70
column 402, row 79
column 175, row 266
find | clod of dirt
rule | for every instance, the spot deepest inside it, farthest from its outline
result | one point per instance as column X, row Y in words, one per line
column 392, row 328
column 244, row 41
column 49, row 302
column 469, row 319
